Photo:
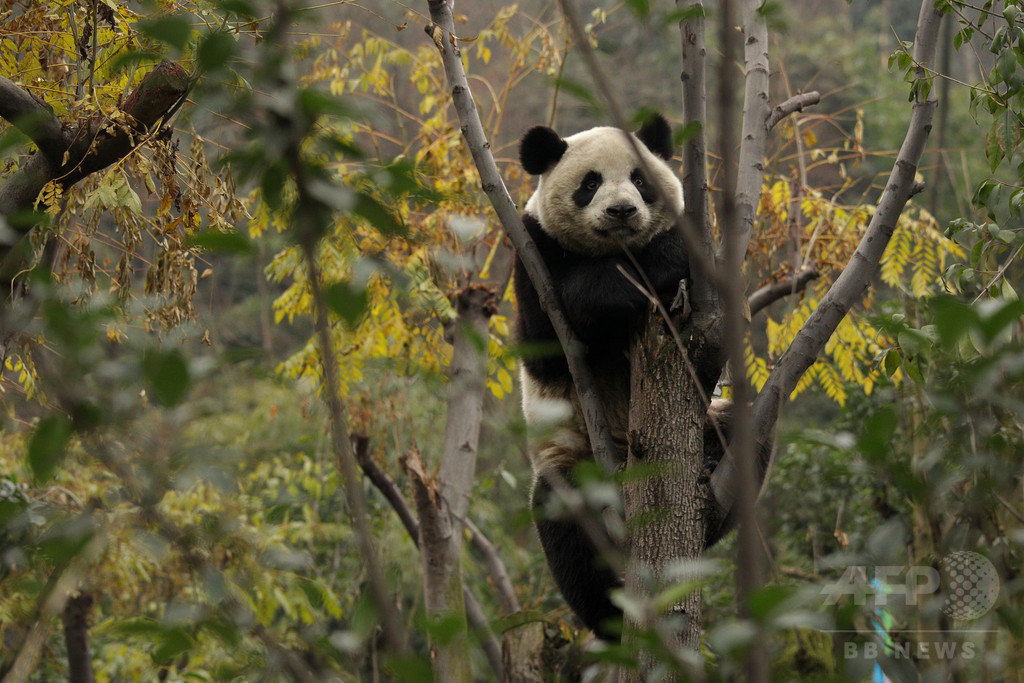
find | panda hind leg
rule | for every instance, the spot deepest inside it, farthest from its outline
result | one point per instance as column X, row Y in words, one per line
column 581, row 574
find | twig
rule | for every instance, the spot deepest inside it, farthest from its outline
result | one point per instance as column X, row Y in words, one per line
column 495, row 567
column 765, row 296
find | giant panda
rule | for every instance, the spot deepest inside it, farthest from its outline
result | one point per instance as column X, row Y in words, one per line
column 593, row 203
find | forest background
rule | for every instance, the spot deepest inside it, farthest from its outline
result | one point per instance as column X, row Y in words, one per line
column 171, row 498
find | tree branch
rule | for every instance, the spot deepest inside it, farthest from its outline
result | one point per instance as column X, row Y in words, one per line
column 75, row 617
column 793, row 104
column 851, row 284
column 754, row 136
column 442, row 32
column 92, row 147
column 704, row 294
column 33, row 117
column 474, row 613
column 495, row 568
column 765, row 296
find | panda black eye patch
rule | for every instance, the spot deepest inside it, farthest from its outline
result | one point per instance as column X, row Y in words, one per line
column 588, row 187
column 647, row 192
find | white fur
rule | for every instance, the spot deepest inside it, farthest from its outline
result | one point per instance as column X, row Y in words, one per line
column 589, row 230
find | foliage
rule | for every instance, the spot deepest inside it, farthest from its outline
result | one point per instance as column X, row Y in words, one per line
column 913, row 264
column 198, row 499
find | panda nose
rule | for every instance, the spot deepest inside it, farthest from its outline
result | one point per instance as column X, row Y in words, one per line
column 621, row 211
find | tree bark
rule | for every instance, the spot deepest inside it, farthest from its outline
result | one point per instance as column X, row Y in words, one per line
column 665, row 497
column 76, row 637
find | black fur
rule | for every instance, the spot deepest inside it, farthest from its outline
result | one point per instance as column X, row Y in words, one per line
column 603, row 307
column 589, row 186
column 582, row 577
column 656, row 134
column 540, row 149
column 647, row 191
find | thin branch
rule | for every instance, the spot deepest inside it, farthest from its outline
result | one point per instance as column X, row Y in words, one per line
column 792, row 105
column 394, row 633
column 765, row 296
column 495, row 568
column 851, row 284
column 442, row 32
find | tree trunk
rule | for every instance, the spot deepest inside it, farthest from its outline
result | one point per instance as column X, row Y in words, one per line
column 666, row 495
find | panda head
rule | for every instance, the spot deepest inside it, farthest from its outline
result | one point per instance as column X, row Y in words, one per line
column 594, row 195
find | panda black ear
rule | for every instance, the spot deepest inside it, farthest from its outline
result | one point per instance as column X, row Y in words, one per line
column 540, row 149
column 656, row 135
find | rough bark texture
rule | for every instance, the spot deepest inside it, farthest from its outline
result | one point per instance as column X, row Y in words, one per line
column 665, row 496
column 76, row 637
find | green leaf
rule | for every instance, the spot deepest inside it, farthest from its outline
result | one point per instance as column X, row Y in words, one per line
column 172, row 30
column 215, row 51
column 892, row 362
column 167, row 375
column 348, row 301
column 1006, row 64
column 48, row 446
column 875, row 439
column 993, row 150
column 377, row 215
column 641, row 8
column 171, row 644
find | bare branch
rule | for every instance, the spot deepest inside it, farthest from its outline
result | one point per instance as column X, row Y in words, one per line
column 442, row 31
column 851, row 284
column 704, row 296
column 394, row 632
column 793, row 104
column 33, row 117
column 495, row 568
column 791, row 284
column 385, row 485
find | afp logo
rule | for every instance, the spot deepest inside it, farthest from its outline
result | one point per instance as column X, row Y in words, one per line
column 967, row 580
